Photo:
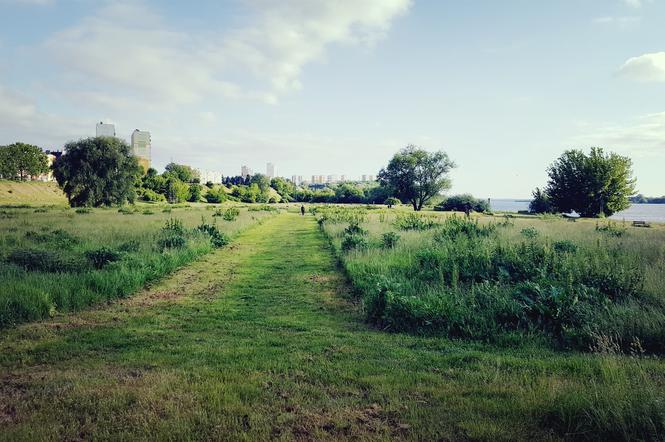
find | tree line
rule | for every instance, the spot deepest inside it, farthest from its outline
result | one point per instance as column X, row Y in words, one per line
column 101, row 171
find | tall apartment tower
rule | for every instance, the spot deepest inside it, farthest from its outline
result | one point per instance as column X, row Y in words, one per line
column 244, row 171
column 141, row 147
column 105, row 130
column 270, row 170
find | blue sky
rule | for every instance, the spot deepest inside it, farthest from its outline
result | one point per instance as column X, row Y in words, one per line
column 336, row 87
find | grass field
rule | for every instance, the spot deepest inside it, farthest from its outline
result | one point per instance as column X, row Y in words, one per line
column 55, row 259
column 266, row 338
column 32, row 193
column 264, row 341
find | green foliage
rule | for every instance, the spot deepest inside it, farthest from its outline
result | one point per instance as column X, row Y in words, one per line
column 54, row 261
column 182, row 172
column 564, row 246
column 530, row 232
column 195, row 192
column 389, row 240
column 97, row 171
column 262, row 208
column 151, row 196
column 392, row 201
column 416, row 175
column 612, row 229
column 177, row 191
column 172, row 235
column 540, row 203
column 353, row 242
column 102, row 256
column 218, row 239
column 215, row 195
column 462, row 203
column 231, row 214
column 591, row 185
column 83, row 210
column 349, row 193
column 415, row 221
column 20, row 160
column 355, row 229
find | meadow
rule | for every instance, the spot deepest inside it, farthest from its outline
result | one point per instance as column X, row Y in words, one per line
column 570, row 285
column 56, row 259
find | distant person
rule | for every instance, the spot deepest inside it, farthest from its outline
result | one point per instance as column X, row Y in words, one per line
column 302, row 209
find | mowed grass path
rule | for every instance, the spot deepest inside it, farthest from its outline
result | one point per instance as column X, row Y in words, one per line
column 261, row 341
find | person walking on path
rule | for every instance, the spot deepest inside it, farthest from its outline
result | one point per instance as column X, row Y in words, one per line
column 302, row 209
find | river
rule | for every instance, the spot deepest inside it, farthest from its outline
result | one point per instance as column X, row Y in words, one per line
column 636, row 212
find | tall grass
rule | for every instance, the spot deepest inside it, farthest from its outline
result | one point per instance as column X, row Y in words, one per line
column 56, row 260
column 492, row 280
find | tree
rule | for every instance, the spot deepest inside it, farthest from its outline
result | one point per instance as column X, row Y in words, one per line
column 195, row 191
column 349, row 193
column 592, row 185
column 97, row 171
column 22, row 160
column 540, row 202
column 181, row 171
column 284, row 188
column 416, row 175
column 392, row 201
column 462, row 203
column 176, row 190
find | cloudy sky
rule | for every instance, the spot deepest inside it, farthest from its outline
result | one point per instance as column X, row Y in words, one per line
column 337, row 86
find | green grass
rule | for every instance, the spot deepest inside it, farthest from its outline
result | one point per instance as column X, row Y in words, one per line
column 59, row 259
column 499, row 280
column 32, row 193
column 264, row 341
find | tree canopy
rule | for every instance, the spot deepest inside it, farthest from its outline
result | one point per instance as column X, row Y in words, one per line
column 597, row 184
column 97, row 171
column 183, row 172
column 20, row 160
column 416, row 175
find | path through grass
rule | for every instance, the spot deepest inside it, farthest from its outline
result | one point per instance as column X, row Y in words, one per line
column 260, row 341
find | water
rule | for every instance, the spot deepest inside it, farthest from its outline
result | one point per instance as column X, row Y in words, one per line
column 636, row 212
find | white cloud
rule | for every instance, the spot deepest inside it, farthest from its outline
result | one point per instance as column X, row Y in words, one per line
column 641, row 137
column 647, row 67
column 624, row 22
column 127, row 47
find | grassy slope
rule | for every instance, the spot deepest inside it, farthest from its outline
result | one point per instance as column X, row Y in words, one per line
column 257, row 341
column 34, row 193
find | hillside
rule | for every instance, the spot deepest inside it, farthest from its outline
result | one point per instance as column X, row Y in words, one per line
column 33, row 193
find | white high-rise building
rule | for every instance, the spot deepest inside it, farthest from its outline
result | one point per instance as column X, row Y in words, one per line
column 363, row 178
column 105, row 129
column 342, row 178
column 244, row 171
column 141, row 147
column 270, row 170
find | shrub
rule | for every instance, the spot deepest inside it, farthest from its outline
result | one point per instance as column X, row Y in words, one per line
column 455, row 226
column 414, row 221
column 60, row 239
column 215, row 196
column 47, row 261
column 392, row 201
column 612, row 229
column 355, row 229
column 22, row 303
column 83, row 210
column 218, row 239
column 172, row 235
column 462, row 203
column 148, row 212
column 231, row 214
column 129, row 246
column 99, row 258
column 262, row 208
column 564, row 246
column 389, row 240
column 152, row 196
column 351, row 242
column 530, row 232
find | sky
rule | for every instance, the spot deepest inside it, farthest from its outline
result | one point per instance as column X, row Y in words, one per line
column 339, row 86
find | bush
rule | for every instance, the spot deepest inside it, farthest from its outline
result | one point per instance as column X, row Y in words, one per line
column 462, row 203
column 47, row 261
column 99, row 258
column 130, row 246
column 83, row 210
column 540, row 202
column 218, row 239
column 355, row 229
column 172, row 235
column 392, row 201
column 231, row 214
column 612, row 229
column 22, row 304
column 60, row 239
column 564, row 246
column 351, row 242
column 215, row 196
column 152, row 196
column 414, row 221
column 530, row 232
column 389, row 240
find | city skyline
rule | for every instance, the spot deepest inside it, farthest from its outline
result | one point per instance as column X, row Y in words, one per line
column 503, row 87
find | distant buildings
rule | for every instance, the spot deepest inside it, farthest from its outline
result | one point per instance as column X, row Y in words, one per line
column 105, row 130
column 141, row 147
column 210, row 175
column 270, row 170
column 244, row 171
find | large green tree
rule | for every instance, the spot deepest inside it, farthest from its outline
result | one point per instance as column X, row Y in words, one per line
column 97, row 171
column 597, row 184
column 416, row 175
column 183, row 172
column 21, row 160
